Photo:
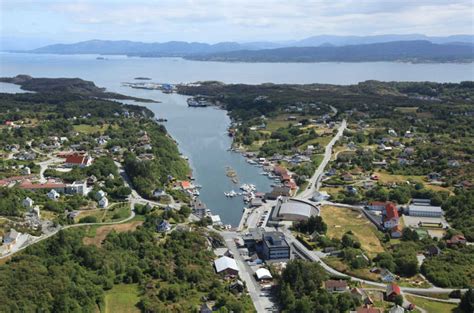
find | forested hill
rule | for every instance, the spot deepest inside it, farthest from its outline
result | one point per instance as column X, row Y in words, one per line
column 65, row 85
column 406, row 51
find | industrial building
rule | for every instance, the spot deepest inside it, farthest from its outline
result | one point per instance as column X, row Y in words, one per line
column 423, row 208
column 275, row 246
column 293, row 210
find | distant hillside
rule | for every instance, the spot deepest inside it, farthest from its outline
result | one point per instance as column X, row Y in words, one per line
column 411, row 47
column 316, row 41
column 132, row 48
column 408, row 51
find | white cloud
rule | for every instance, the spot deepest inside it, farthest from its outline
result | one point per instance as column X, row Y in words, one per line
column 239, row 19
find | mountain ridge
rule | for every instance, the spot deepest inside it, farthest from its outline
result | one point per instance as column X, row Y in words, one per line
column 453, row 48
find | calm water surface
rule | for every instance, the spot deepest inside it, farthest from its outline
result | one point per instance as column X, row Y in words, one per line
column 201, row 132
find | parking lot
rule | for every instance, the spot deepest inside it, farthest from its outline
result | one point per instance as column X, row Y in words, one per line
column 257, row 217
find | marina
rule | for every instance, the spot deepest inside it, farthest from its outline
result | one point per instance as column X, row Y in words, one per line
column 203, row 135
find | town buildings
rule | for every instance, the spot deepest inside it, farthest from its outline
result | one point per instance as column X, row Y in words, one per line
column 335, row 285
column 226, row 265
column 293, row 210
column 275, row 246
column 422, row 208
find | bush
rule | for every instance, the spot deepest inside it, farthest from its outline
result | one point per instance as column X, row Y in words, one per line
column 88, row 219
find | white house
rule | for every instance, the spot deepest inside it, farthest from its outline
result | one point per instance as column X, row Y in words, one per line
column 103, row 203
column 10, row 238
column 216, row 220
column 164, row 226
column 26, row 171
column 36, row 211
column 53, row 195
column 28, row 203
column 263, row 274
column 100, row 194
column 226, row 265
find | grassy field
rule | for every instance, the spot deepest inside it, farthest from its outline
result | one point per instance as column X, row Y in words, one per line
column 322, row 141
column 386, row 178
column 338, row 265
column 332, row 191
column 122, row 299
column 278, row 122
column 96, row 234
column 431, row 306
column 98, row 213
column 117, row 212
column 406, row 109
column 90, row 129
column 341, row 220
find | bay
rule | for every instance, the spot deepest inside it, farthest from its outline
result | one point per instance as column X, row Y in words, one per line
column 201, row 132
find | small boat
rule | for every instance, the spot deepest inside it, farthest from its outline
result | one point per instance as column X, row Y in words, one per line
column 230, row 194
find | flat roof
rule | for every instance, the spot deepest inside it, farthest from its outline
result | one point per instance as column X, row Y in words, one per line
column 296, row 208
column 424, row 208
column 275, row 239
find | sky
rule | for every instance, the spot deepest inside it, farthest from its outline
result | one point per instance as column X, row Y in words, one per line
column 33, row 23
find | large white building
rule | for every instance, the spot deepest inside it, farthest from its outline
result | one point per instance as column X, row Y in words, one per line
column 424, row 210
column 294, row 210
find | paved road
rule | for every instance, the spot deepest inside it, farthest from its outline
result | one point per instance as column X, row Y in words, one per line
column 132, row 215
column 134, row 199
column 262, row 303
column 313, row 256
column 315, row 180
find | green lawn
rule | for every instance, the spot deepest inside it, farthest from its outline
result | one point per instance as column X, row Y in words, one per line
column 90, row 129
column 117, row 212
column 122, row 299
column 432, row 306
column 341, row 220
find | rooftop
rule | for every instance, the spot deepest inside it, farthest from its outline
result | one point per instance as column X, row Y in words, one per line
column 263, row 273
column 335, row 284
column 275, row 239
column 224, row 263
column 424, row 208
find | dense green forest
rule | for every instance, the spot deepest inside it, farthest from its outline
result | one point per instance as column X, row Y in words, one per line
column 64, row 275
column 301, row 291
column 459, row 210
column 167, row 164
column 62, row 86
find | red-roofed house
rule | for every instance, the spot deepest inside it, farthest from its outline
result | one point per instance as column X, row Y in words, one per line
column 78, row 160
column 391, row 217
column 393, row 290
column 280, row 171
column 65, row 154
column 186, row 185
column 28, row 185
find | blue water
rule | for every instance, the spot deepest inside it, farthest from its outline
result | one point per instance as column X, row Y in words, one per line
column 201, row 132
